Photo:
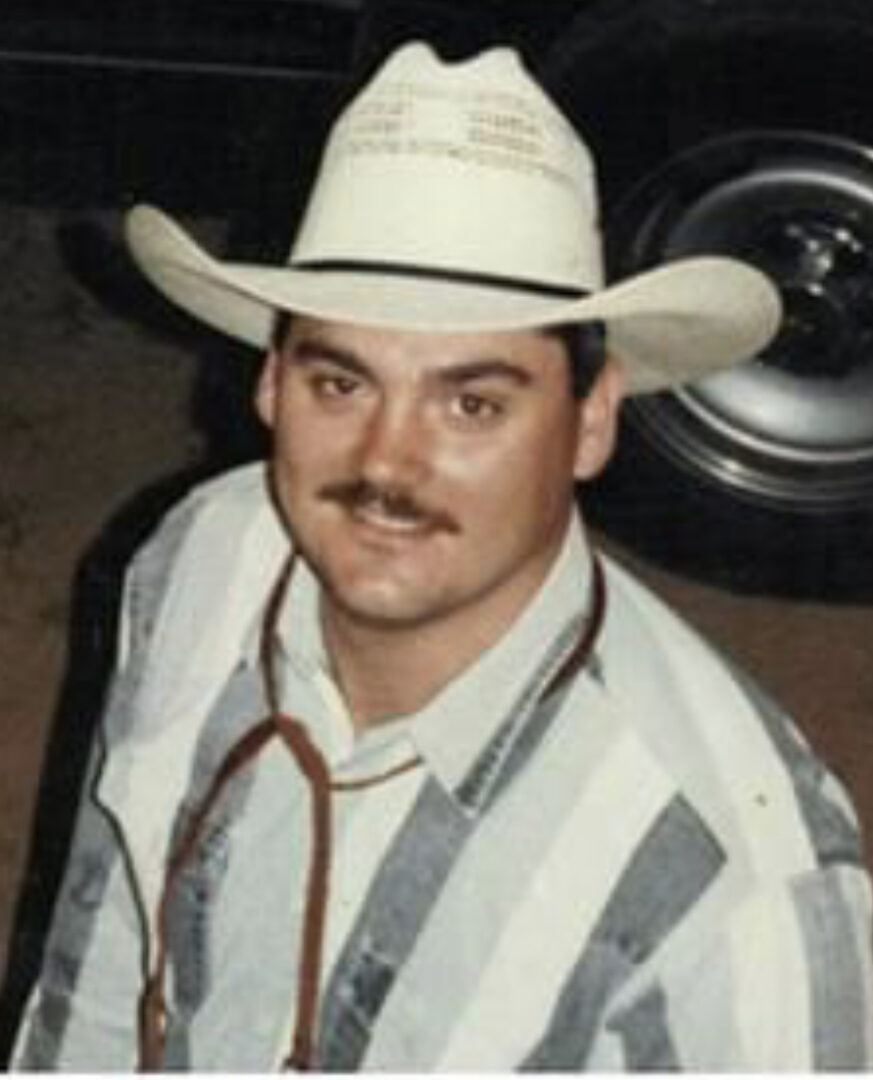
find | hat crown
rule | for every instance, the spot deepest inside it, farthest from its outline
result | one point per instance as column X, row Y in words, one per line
column 461, row 167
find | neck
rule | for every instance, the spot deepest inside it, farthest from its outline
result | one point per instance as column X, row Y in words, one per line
column 369, row 683
column 385, row 673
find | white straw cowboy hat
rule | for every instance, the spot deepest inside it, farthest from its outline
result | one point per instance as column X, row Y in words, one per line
column 456, row 197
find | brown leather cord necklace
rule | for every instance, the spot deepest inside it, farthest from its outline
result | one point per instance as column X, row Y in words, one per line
column 153, row 1005
column 277, row 724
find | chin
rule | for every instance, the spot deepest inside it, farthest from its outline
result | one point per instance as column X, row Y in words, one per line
column 388, row 608
column 384, row 614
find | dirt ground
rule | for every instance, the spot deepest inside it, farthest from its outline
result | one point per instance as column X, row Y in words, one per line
column 94, row 409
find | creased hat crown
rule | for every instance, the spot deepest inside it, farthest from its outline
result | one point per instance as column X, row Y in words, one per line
column 464, row 167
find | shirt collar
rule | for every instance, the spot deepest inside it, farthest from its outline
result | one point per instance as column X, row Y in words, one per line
column 453, row 729
column 298, row 629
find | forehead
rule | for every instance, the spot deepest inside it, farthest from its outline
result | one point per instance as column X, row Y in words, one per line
column 534, row 351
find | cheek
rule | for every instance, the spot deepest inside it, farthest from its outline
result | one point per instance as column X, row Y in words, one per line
column 303, row 447
column 465, row 470
column 531, row 461
column 536, row 485
column 502, row 485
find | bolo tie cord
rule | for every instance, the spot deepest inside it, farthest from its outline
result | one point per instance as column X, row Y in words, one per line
column 277, row 724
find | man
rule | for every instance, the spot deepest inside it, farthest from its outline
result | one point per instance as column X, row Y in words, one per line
column 398, row 774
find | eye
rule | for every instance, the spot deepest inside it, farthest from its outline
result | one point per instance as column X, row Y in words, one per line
column 476, row 407
column 333, row 386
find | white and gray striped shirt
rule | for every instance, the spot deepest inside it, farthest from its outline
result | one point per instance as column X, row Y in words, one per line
column 644, row 869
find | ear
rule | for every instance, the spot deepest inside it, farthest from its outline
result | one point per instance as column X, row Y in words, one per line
column 266, row 391
column 598, row 426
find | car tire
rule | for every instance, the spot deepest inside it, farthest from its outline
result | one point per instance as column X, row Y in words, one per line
column 742, row 129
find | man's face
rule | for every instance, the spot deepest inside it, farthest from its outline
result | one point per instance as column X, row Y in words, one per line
column 428, row 478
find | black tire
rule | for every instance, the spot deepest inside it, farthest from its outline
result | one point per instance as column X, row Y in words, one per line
column 743, row 128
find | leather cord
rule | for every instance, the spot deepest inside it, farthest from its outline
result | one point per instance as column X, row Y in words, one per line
column 277, row 724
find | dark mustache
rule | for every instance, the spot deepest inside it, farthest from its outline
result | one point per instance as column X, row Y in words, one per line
column 395, row 502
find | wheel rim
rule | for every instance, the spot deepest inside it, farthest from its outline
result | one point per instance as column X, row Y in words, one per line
column 794, row 427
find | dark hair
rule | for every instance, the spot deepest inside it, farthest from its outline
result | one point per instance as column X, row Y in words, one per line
column 585, row 346
column 280, row 328
column 584, row 343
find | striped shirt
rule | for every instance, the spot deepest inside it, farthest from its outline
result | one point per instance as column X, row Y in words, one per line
column 644, row 868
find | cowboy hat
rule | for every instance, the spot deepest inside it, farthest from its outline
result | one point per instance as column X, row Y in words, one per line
column 456, row 197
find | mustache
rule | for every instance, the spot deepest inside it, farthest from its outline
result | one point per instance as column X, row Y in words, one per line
column 396, row 503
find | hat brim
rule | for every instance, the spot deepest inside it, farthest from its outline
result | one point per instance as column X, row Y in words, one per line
column 675, row 324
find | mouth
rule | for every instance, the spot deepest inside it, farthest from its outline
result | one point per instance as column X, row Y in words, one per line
column 376, row 519
column 386, row 514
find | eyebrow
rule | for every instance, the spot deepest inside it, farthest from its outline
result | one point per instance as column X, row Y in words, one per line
column 313, row 351
column 485, row 369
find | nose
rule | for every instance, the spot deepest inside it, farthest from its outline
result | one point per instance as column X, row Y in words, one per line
column 393, row 449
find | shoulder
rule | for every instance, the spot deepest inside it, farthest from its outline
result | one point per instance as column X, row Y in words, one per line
column 651, row 654
column 739, row 760
column 192, row 596
column 230, row 498
column 223, row 530
column 214, row 515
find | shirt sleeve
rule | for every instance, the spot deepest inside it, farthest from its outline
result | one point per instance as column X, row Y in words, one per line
column 82, row 1013
column 784, row 984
